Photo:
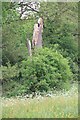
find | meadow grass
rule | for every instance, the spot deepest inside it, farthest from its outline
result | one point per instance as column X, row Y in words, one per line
column 60, row 106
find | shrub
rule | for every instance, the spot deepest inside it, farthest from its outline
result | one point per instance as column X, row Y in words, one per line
column 9, row 72
column 45, row 70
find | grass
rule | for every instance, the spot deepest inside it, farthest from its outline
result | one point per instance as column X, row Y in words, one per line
column 58, row 106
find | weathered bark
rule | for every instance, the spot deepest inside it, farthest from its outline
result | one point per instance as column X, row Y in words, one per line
column 29, row 47
column 37, row 34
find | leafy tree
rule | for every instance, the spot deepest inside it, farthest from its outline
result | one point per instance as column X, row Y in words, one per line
column 14, row 40
column 61, row 26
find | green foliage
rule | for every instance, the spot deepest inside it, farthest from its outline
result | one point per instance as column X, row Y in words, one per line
column 9, row 72
column 45, row 70
column 61, row 27
column 52, row 67
column 62, row 35
column 14, row 40
column 9, row 13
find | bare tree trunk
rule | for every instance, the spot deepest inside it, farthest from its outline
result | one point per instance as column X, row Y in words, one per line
column 37, row 34
column 29, row 47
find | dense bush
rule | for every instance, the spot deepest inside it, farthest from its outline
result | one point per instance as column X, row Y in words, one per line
column 9, row 72
column 45, row 71
column 8, row 79
column 72, row 59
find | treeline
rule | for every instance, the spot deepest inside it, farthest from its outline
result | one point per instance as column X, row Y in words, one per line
column 55, row 66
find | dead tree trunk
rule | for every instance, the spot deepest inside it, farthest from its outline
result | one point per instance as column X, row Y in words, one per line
column 37, row 37
column 37, row 34
column 29, row 47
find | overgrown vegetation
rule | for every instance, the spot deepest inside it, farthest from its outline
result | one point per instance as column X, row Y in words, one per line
column 44, row 71
column 55, row 66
